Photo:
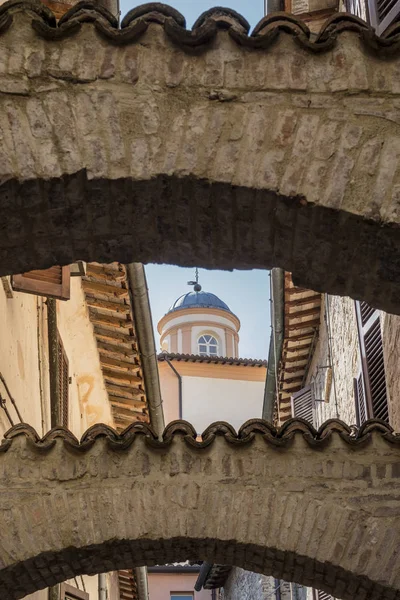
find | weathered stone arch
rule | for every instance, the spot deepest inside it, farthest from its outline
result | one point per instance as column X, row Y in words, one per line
column 266, row 500
column 207, row 147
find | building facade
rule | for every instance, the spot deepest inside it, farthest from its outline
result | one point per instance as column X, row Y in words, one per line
column 202, row 377
column 69, row 357
column 337, row 359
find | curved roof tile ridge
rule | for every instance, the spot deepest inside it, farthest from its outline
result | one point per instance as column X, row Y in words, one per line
column 136, row 22
column 352, row 435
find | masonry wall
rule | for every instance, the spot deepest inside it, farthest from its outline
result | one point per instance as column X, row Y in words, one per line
column 391, row 348
column 339, row 327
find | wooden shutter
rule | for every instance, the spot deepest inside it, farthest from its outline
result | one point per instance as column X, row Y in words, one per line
column 322, row 595
column 383, row 13
column 68, row 592
column 127, row 585
column 63, row 384
column 360, row 400
column 52, row 283
column 373, row 367
column 303, row 405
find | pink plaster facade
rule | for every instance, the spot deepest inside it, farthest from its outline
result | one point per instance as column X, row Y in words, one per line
column 162, row 585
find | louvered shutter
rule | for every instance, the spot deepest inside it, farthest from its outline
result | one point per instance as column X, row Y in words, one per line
column 52, row 283
column 360, row 400
column 383, row 13
column 373, row 367
column 127, row 585
column 303, row 405
column 63, row 384
column 323, row 595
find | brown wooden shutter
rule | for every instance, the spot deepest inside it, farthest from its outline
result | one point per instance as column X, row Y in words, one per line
column 303, row 405
column 373, row 367
column 360, row 400
column 127, row 585
column 63, row 384
column 52, row 283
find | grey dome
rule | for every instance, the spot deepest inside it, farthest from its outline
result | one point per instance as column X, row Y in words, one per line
column 199, row 299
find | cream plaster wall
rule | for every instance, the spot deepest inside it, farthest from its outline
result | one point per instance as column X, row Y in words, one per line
column 209, row 399
column 88, row 398
column 169, row 391
column 162, row 584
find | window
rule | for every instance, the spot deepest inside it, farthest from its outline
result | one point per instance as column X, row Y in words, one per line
column 370, row 385
column 53, row 283
column 68, row 592
column 181, row 596
column 63, row 383
column 208, row 345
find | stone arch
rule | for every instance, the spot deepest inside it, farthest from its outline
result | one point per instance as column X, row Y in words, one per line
column 319, row 508
column 210, row 147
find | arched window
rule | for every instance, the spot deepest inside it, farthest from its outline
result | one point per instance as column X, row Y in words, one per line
column 208, row 345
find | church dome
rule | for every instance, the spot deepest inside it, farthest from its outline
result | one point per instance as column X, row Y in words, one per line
column 198, row 299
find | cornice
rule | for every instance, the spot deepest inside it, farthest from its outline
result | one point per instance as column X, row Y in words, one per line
column 205, row 29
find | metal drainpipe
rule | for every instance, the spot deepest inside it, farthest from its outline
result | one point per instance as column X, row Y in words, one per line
column 147, row 346
column 179, row 376
column 148, row 354
column 55, row 416
column 102, row 586
column 276, row 342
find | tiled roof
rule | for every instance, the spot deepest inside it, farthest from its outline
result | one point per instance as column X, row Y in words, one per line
column 302, row 320
column 110, row 311
column 220, row 360
column 136, row 22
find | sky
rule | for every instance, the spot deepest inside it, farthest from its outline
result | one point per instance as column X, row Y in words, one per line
column 252, row 10
column 245, row 292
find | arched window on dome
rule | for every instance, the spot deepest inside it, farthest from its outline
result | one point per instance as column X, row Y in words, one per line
column 207, row 345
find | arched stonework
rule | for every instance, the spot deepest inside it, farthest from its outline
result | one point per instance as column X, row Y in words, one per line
column 207, row 147
column 265, row 500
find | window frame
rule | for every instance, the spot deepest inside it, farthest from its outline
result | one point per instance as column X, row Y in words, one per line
column 208, row 344
column 72, row 593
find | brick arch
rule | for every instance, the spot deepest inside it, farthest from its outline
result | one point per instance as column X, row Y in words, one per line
column 210, row 147
column 319, row 508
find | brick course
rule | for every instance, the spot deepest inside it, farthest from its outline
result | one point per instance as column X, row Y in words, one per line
column 286, row 504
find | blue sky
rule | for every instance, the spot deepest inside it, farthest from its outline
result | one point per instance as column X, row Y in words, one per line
column 252, row 10
column 245, row 292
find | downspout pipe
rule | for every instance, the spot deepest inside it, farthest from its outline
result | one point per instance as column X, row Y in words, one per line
column 179, row 377
column 147, row 346
column 102, row 586
column 55, row 416
column 147, row 349
column 277, row 278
